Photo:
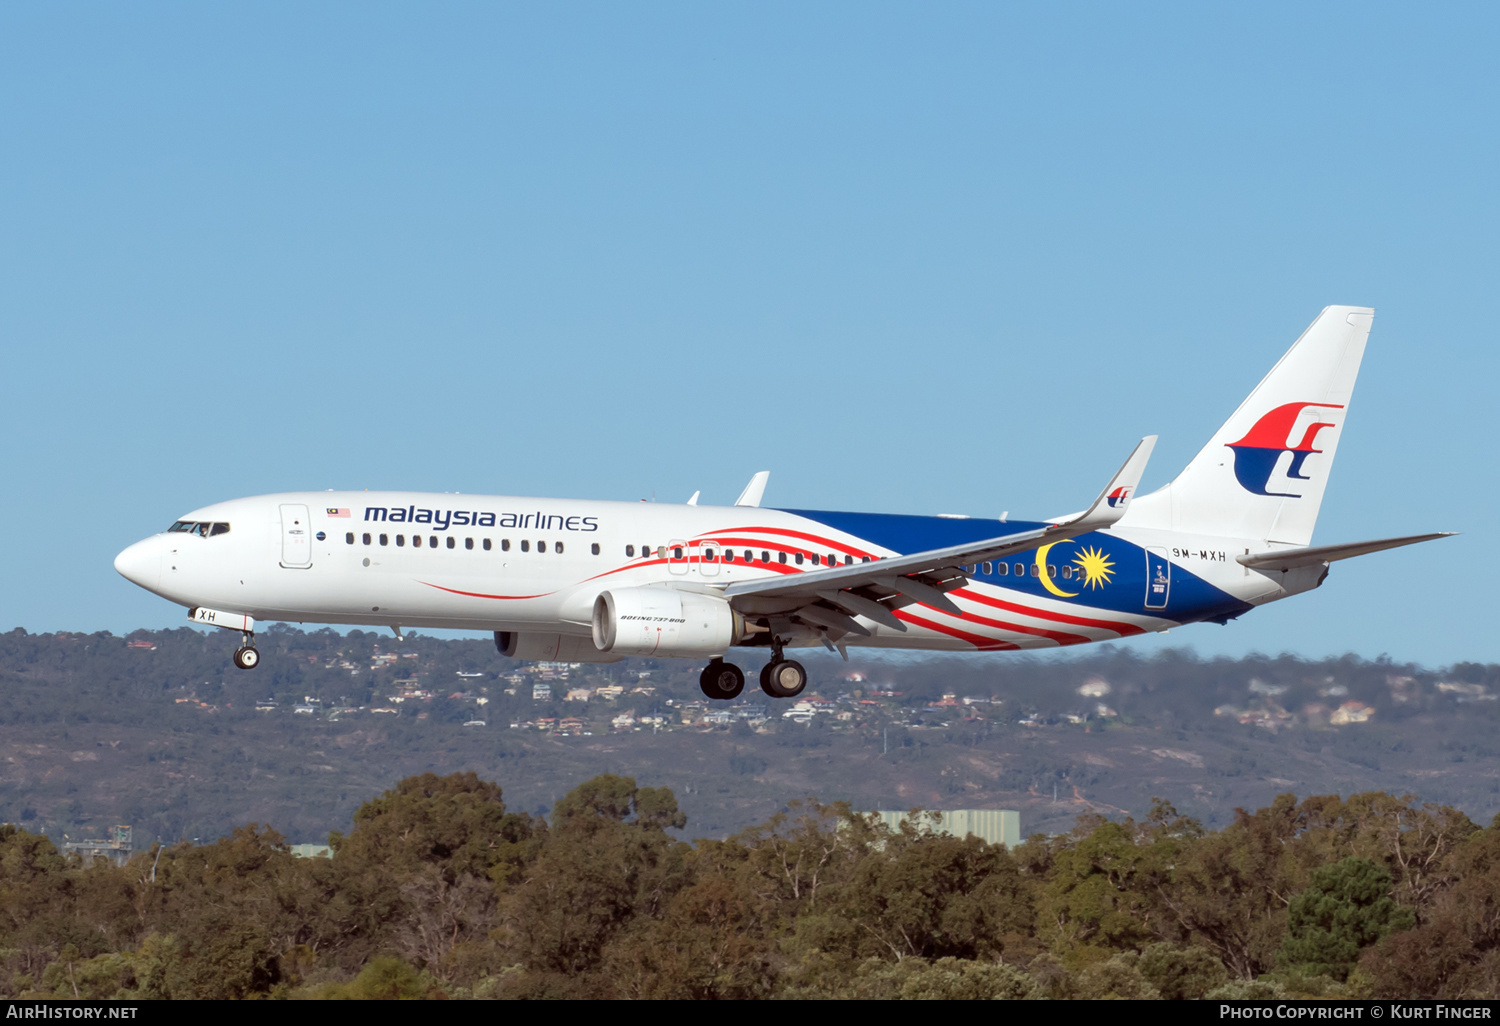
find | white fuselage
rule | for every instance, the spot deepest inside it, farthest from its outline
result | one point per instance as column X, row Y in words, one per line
column 500, row 563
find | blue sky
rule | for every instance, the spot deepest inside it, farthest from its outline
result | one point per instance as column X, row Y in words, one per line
column 915, row 258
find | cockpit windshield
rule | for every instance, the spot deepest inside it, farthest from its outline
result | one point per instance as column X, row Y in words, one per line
column 202, row 528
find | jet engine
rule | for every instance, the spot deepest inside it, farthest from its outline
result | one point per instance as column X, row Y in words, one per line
column 664, row 622
column 559, row 648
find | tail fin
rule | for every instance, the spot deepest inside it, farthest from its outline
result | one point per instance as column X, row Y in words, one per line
column 1262, row 474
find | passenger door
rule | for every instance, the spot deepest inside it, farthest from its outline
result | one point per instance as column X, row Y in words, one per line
column 296, row 537
column 1158, row 579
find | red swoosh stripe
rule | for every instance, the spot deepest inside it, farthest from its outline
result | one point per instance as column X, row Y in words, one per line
column 480, row 594
column 979, row 641
column 1123, row 629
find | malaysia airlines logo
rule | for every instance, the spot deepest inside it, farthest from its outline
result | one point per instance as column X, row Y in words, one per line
column 1118, row 497
column 1258, row 453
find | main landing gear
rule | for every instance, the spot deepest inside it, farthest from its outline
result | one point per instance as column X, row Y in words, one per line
column 780, row 678
column 246, row 657
column 722, row 680
column 783, row 678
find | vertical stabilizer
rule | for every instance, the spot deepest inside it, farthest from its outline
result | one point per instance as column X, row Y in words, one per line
column 1262, row 475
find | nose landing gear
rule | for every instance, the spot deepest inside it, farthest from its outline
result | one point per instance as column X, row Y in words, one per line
column 246, row 657
column 722, row 681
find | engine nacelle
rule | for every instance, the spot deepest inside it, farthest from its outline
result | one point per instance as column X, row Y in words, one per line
column 664, row 622
column 552, row 648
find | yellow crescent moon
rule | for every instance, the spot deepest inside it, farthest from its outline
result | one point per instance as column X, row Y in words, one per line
column 1041, row 562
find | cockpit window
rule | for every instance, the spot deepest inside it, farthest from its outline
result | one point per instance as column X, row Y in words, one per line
column 202, row 528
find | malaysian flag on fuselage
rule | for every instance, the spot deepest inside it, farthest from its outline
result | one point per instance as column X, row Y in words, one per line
column 338, row 512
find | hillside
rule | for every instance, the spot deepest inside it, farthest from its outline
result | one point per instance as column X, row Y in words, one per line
column 158, row 731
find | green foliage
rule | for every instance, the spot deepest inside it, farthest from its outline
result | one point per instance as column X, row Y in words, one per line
column 439, row 891
column 917, row 979
column 1181, row 973
column 1346, row 908
column 1247, row 990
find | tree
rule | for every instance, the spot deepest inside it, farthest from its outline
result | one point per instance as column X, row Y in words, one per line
column 1346, row 908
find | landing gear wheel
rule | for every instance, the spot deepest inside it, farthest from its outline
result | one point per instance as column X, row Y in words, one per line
column 246, row 658
column 784, row 679
column 722, row 681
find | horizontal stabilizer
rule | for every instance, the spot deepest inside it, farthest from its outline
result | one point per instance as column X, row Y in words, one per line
column 1291, row 559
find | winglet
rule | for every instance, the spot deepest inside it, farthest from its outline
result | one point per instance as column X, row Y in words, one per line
column 694, row 500
column 754, row 490
column 1112, row 503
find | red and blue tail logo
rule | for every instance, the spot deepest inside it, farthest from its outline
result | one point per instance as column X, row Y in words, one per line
column 1256, row 455
column 1119, row 496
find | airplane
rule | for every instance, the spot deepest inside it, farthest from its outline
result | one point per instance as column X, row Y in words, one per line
column 595, row 582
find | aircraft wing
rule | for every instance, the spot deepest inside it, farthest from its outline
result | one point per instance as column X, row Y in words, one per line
column 1291, row 559
column 829, row 599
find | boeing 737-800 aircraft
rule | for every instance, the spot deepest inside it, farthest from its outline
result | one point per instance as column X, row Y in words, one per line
column 598, row 581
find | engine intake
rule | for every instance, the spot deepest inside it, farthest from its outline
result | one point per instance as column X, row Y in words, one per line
column 664, row 622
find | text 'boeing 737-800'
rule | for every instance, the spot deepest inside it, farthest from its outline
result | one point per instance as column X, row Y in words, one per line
column 598, row 581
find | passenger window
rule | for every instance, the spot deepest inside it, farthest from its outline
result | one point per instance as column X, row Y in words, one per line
column 541, row 546
column 832, row 559
column 432, row 541
column 848, row 560
column 365, row 538
column 594, row 548
column 1036, row 570
column 765, row 557
column 798, row 557
column 630, row 552
column 468, row 543
column 781, row 557
column 416, row 541
column 677, row 552
column 525, row 545
column 557, row 547
column 383, row 539
column 661, row 552
column 486, row 544
column 749, row 556
column 729, row 555
column 864, row 559
column 400, row 540
column 708, row 555
column 451, row 542
column 1003, row 568
column 1020, row 569
column 1052, row 571
column 504, row 544
column 989, row 568
column 349, row 538
column 1067, row 573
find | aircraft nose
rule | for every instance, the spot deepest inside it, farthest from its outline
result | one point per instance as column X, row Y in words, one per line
column 141, row 564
